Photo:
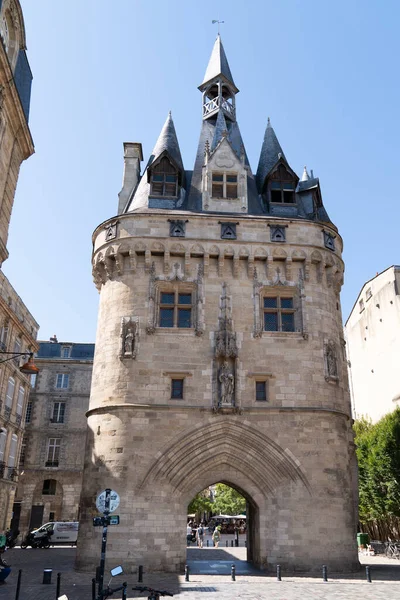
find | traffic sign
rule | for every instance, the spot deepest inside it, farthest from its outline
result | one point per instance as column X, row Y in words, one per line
column 101, row 501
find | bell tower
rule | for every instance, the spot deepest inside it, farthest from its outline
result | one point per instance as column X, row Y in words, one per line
column 218, row 87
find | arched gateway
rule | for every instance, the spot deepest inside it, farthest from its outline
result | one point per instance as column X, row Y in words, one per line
column 219, row 355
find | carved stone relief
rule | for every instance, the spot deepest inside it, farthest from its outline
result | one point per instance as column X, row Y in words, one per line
column 331, row 368
column 225, row 353
column 111, row 230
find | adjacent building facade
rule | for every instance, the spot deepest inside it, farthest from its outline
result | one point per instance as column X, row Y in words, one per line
column 219, row 352
column 17, row 326
column 18, row 332
column 51, row 463
column 373, row 346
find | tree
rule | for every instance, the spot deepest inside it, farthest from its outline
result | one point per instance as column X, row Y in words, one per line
column 201, row 503
column 228, row 501
column 378, row 453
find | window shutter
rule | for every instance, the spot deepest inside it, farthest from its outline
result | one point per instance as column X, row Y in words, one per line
column 21, row 398
column 13, row 450
column 3, row 439
column 10, row 392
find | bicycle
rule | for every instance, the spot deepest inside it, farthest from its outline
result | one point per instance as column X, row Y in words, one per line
column 154, row 594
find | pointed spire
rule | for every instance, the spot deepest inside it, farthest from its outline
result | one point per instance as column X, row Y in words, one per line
column 305, row 176
column 168, row 142
column 271, row 152
column 218, row 65
column 221, row 130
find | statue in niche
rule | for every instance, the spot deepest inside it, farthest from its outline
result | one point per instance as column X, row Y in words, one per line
column 129, row 342
column 331, row 361
column 129, row 337
column 227, row 382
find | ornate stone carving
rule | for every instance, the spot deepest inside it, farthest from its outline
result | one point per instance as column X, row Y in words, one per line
column 329, row 240
column 331, row 369
column 177, row 228
column 111, row 230
column 129, row 337
column 228, row 231
column 198, row 316
column 278, row 233
column 225, row 338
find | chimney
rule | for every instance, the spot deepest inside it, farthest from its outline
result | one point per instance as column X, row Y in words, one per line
column 133, row 156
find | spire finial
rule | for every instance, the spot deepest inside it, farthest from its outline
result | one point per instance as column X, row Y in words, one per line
column 217, row 21
column 269, row 122
column 305, row 176
column 169, row 113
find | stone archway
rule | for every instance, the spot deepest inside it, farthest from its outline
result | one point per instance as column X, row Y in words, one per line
column 229, row 451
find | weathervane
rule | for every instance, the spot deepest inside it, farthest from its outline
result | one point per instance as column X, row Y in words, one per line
column 216, row 21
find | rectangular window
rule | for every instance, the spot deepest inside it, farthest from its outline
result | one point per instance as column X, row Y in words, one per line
column 282, row 192
column 3, row 338
column 10, row 392
column 49, row 487
column 58, row 412
column 21, row 400
column 66, row 352
column 22, row 454
column 62, row 381
column 361, row 305
column 224, row 185
column 176, row 309
column 53, row 452
column 261, row 391
column 278, row 313
column 368, row 293
column 177, row 389
column 33, row 380
column 28, row 414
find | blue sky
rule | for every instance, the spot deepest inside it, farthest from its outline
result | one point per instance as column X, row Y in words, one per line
column 108, row 72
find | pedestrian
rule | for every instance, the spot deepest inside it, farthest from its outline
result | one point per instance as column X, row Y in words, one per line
column 4, row 568
column 200, row 535
column 189, row 533
column 216, row 536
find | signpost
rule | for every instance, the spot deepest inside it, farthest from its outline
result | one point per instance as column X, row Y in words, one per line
column 107, row 501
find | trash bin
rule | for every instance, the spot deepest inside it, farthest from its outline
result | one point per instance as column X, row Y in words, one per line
column 362, row 539
column 47, row 575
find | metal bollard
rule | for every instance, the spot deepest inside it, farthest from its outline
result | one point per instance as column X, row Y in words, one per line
column 124, row 586
column 93, row 589
column 18, row 584
column 58, row 588
column 324, row 572
column 368, row 574
column 231, row 543
column 233, row 573
column 47, row 575
column 97, row 573
column 186, row 573
column 208, row 543
column 227, row 543
column 140, row 574
column 278, row 573
column 245, row 543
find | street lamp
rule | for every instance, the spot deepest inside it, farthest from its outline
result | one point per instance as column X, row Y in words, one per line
column 28, row 368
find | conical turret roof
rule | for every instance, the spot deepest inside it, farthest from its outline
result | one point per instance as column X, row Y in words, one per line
column 271, row 151
column 218, row 65
column 168, row 142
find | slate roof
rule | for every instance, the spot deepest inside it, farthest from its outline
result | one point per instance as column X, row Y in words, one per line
column 218, row 65
column 269, row 155
column 167, row 142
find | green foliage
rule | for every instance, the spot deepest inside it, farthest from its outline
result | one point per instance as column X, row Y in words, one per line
column 378, row 453
column 228, row 501
column 201, row 503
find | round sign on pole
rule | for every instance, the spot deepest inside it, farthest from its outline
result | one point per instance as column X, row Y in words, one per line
column 101, row 501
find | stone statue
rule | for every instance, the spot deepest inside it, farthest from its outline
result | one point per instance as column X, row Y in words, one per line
column 227, row 382
column 331, row 361
column 129, row 341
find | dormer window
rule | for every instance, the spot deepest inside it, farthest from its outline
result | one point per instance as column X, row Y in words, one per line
column 281, row 186
column 164, row 179
column 224, row 185
column 282, row 191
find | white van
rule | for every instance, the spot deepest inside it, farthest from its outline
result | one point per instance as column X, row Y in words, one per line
column 61, row 532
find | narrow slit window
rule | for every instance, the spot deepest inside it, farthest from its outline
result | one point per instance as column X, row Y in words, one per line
column 261, row 391
column 177, row 389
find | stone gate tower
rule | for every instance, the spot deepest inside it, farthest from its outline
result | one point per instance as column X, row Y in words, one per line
column 219, row 351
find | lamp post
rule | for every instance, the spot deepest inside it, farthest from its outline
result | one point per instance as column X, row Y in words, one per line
column 28, row 368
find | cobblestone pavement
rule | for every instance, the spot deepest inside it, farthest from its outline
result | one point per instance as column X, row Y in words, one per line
column 77, row 586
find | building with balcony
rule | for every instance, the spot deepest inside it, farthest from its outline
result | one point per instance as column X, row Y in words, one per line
column 18, row 332
column 51, row 461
